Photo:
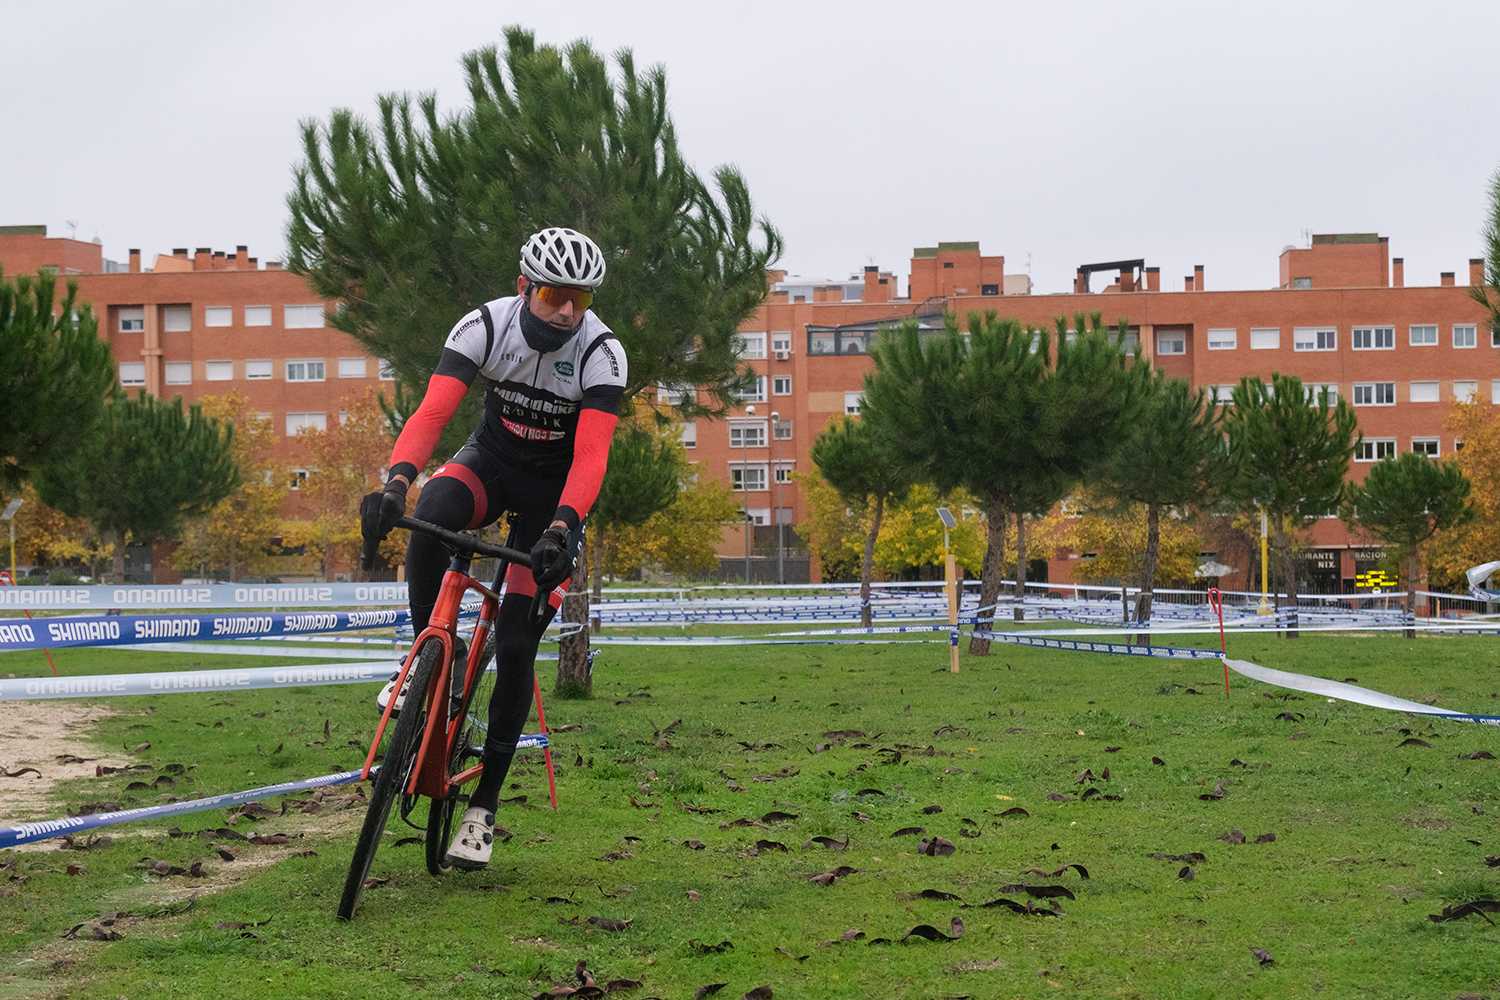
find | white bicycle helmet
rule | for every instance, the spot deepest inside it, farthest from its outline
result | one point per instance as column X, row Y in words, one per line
column 559, row 256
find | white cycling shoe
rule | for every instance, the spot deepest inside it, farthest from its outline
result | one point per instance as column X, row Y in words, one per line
column 476, row 838
column 386, row 693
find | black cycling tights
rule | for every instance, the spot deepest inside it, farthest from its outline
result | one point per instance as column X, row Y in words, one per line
column 516, row 641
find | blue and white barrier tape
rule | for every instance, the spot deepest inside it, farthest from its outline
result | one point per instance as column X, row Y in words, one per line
column 26, row 833
column 127, row 630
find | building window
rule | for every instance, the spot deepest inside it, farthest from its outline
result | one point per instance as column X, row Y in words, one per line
column 1374, row 394
column 1315, row 338
column 179, row 373
column 132, row 319
column 989, row 289
column 852, row 401
column 1425, row 446
column 781, row 343
column 298, row 479
column 296, row 423
column 781, row 385
column 1301, row 282
column 218, row 371
column 756, row 393
column 783, row 430
column 745, row 478
column 784, row 470
column 758, row 516
column 1424, row 335
column 218, row 316
column 257, row 315
column 750, row 345
column 1465, row 390
column 302, row 317
column 1170, row 342
column 1465, row 335
column 1265, row 338
column 670, row 397
column 1223, row 340
column 822, row 342
column 261, row 418
column 304, row 370
column 1495, row 335
column 1374, row 449
column 176, row 319
column 747, row 434
column 1495, row 391
column 1223, row 394
column 257, row 369
column 387, row 372
column 1423, row 392
column 1374, row 338
column 351, row 367
column 1317, row 390
column 132, row 373
column 690, row 435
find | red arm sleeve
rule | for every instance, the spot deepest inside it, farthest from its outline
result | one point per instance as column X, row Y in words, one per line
column 420, row 433
column 590, row 459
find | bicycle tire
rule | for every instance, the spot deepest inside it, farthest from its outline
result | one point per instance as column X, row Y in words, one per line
column 400, row 754
column 470, row 741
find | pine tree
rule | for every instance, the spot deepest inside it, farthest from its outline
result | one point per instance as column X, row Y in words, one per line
column 419, row 218
column 55, row 375
column 1287, row 455
column 145, row 468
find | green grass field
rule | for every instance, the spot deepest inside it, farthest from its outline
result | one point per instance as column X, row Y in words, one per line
column 679, row 745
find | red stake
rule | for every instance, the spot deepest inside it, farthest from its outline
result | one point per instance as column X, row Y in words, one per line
column 541, row 719
column 6, row 578
column 1216, row 602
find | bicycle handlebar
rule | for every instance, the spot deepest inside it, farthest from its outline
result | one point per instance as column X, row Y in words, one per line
column 466, row 543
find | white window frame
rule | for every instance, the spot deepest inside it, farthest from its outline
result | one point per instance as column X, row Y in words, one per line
column 1313, row 389
column 224, row 370
column 751, row 345
column 349, row 363
column 1223, row 394
column 1223, row 339
column 781, row 385
column 257, row 315
column 128, row 373
column 748, row 433
column 756, row 394
column 782, row 431
column 305, row 375
column 1411, row 334
column 852, row 402
column 742, row 483
column 758, row 516
column 670, row 397
column 266, row 372
column 1436, row 443
column 781, row 341
column 1424, row 391
column 1472, row 337
column 299, row 418
column 297, row 478
column 177, row 373
column 1465, row 390
column 1373, row 391
column 781, row 471
column 385, row 370
column 1369, row 449
column 172, row 319
column 1373, row 334
column 301, row 316
column 1315, row 338
column 1170, row 343
column 131, row 319
column 689, row 434
column 215, row 317
column 1265, row 338
column 1495, row 391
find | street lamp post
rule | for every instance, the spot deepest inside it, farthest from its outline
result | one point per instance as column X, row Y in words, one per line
column 775, row 493
column 9, row 514
column 950, row 586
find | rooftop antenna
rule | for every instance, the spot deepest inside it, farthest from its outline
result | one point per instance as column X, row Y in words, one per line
column 72, row 225
column 1307, row 237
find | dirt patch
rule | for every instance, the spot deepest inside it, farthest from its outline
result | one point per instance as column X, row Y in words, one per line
column 56, row 739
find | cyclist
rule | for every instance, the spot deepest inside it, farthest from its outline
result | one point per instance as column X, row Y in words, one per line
column 554, row 375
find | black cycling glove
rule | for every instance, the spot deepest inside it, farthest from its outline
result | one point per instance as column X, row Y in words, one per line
column 552, row 558
column 379, row 512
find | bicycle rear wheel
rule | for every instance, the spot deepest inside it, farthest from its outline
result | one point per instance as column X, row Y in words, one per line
column 390, row 779
column 468, row 748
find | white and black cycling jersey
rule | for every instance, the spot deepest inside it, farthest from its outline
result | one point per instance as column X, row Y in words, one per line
column 532, row 398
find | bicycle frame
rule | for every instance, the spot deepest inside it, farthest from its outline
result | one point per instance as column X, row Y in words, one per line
column 429, row 775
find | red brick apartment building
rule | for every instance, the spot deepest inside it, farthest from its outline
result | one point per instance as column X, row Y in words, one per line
column 208, row 322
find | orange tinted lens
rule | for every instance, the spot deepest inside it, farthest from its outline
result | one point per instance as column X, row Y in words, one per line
column 558, row 296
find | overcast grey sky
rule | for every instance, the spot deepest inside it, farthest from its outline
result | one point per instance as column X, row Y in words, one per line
column 1199, row 131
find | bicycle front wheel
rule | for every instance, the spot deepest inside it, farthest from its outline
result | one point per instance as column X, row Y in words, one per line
column 468, row 748
column 390, row 779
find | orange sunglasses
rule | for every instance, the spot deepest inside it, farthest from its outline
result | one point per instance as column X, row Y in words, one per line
column 558, row 296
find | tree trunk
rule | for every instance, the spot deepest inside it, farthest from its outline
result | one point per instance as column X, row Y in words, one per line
column 867, row 564
column 573, row 677
column 1019, row 611
column 1148, row 570
column 1411, row 591
column 596, row 571
column 1283, row 543
column 989, row 587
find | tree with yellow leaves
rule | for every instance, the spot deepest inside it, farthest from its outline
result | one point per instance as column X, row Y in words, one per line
column 1452, row 552
column 1115, row 537
column 46, row 536
column 233, row 538
column 681, row 539
column 342, row 461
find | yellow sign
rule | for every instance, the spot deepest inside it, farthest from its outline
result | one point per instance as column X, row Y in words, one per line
column 1376, row 579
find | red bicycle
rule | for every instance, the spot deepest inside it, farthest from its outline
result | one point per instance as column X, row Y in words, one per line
column 437, row 747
